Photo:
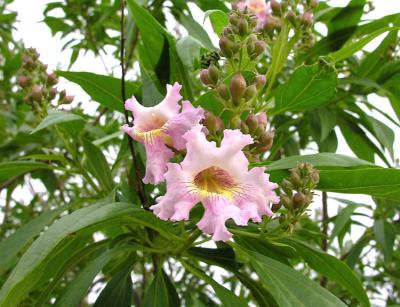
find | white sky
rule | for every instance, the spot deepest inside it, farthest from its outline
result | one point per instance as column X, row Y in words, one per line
column 36, row 34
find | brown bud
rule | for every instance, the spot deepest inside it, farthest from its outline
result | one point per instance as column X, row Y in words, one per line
column 266, row 138
column 226, row 46
column 68, row 99
column 262, row 118
column 276, row 7
column 251, row 122
column 287, row 187
column 313, row 3
column 236, row 122
column 213, row 74
column 53, row 92
column 243, row 27
column 37, row 93
column 244, row 128
column 52, row 79
column 286, row 202
column 259, row 81
column 227, row 31
column 270, row 24
column 22, row 81
column 210, row 122
column 220, row 127
column 295, row 179
column 276, row 207
column 315, row 177
column 250, row 46
column 237, row 87
column 299, row 200
column 307, row 19
column 205, row 77
column 291, row 16
column 223, row 91
column 63, row 93
column 259, row 47
column 250, row 92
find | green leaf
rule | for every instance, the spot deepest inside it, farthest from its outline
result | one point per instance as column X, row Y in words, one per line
column 103, row 89
column 17, row 168
column 189, row 51
column 195, row 30
column 384, row 134
column 309, row 87
column 77, row 289
column 98, row 166
column 385, row 235
column 223, row 257
column 332, row 268
column 342, row 219
column 57, row 117
column 352, row 47
column 118, row 291
column 161, row 292
column 219, row 20
column 227, row 297
column 289, row 287
column 30, row 267
column 11, row 246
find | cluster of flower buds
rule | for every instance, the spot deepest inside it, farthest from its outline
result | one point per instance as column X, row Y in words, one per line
column 38, row 85
column 298, row 189
column 256, row 125
column 214, row 125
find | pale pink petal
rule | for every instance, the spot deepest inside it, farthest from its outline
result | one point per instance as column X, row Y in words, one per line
column 241, row 5
column 177, row 126
column 234, row 141
column 178, row 201
column 158, row 155
column 170, row 104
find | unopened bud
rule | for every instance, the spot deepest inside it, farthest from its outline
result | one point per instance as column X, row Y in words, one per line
column 270, row 24
column 226, row 46
column 260, row 81
column 259, row 47
column 276, row 7
column 286, row 202
column 205, row 77
column 68, row 99
column 313, row 3
column 262, row 118
column 315, row 176
column 223, row 91
column 210, row 122
column 233, row 19
column 299, row 200
column 250, row 93
column 243, row 27
column 22, row 81
column 52, row 79
column 213, row 74
column 244, row 128
column 238, row 87
column 287, row 187
column 37, row 93
column 291, row 16
column 276, row 207
column 236, row 122
column 307, row 19
column 250, row 46
column 295, row 179
column 53, row 92
column 63, row 93
column 252, row 123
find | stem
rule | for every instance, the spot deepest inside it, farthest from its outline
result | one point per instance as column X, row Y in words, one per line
column 138, row 183
column 197, row 233
column 324, row 242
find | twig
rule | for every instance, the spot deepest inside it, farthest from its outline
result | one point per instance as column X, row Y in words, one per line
column 102, row 112
column 139, row 186
column 324, row 243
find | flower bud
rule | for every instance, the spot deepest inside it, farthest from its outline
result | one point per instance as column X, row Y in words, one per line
column 286, row 202
column 52, row 79
column 266, row 139
column 315, row 176
column 313, row 3
column 243, row 27
column 226, row 47
column 213, row 74
column 260, row 81
column 22, row 81
column 37, row 93
column 276, row 7
column 53, row 92
column 259, row 47
column 237, row 87
column 295, row 179
column 227, row 31
column 307, row 19
column 276, row 207
column 299, row 200
column 270, row 24
column 223, row 91
column 251, row 122
column 262, row 118
column 210, row 122
column 291, row 16
column 63, row 93
column 233, row 19
column 68, row 99
column 236, row 122
column 287, row 187
column 205, row 77
column 250, row 47
column 250, row 93
column 244, row 128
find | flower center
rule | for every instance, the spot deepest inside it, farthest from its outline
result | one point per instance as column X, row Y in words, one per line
column 256, row 6
column 154, row 129
column 215, row 180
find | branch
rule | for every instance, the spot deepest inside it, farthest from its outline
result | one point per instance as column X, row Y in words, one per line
column 138, row 183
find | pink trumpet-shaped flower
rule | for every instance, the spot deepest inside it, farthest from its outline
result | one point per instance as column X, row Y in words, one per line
column 160, row 127
column 220, row 178
column 258, row 7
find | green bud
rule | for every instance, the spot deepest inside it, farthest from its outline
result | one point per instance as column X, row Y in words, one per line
column 291, row 16
column 213, row 73
column 286, row 202
column 236, row 122
column 295, row 179
column 250, row 47
column 210, row 122
column 250, row 92
column 233, row 19
column 313, row 3
column 299, row 200
column 37, row 93
column 287, row 187
column 276, row 207
column 237, row 87
column 276, row 7
column 226, row 46
column 243, row 27
column 252, row 123
column 227, row 31
column 223, row 91
column 259, row 48
column 244, row 128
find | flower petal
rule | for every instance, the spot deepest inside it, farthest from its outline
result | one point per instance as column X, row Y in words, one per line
column 177, row 126
column 158, row 155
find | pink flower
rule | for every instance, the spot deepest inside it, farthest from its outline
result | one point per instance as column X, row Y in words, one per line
column 258, row 7
column 161, row 127
column 220, row 178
